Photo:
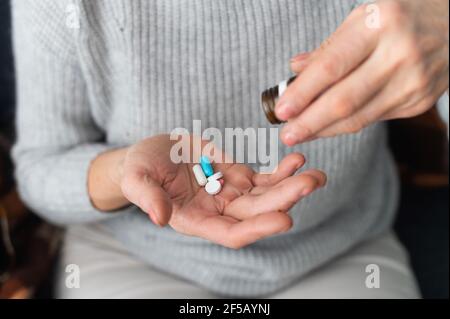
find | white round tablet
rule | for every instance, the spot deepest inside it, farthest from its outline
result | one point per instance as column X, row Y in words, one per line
column 215, row 177
column 213, row 187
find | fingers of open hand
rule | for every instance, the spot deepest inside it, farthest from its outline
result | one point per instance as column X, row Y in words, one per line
column 279, row 197
column 287, row 167
column 231, row 233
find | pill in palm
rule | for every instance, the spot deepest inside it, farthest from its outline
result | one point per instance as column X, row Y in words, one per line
column 200, row 177
column 215, row 177
column 206, row 166
column 213, row 187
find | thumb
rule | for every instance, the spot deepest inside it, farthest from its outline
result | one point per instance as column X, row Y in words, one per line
column 149, row 196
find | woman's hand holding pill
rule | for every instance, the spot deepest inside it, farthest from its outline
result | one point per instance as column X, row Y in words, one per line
column 249, row 207
column 389, row 60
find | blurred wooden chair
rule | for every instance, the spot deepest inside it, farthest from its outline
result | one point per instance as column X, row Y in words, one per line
column 28, row 246
column 420, row 147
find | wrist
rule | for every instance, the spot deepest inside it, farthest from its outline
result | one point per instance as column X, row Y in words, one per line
column 115, row 167
column 104, row 181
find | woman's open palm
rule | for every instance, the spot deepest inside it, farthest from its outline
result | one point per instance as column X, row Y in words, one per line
column 250, row 206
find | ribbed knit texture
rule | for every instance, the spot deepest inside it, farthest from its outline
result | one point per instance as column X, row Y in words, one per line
column 142, row 67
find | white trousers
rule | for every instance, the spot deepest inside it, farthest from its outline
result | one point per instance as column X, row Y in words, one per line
column 107, row 270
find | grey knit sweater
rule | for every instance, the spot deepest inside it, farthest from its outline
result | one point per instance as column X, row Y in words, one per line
column 139, row 68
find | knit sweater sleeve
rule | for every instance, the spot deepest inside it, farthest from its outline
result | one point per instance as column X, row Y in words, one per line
column 57, row 137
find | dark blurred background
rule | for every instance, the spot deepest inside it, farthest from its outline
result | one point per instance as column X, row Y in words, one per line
column 6, row 71
column 420, row 147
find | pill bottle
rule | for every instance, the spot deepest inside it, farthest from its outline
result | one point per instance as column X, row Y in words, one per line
column 270, row 97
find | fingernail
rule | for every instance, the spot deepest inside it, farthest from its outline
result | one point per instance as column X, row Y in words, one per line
column 306, row 192
column 284, row 111
column 153, row 218
column 300, row 57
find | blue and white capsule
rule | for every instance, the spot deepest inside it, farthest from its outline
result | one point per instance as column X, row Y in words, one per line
column 205, row 163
